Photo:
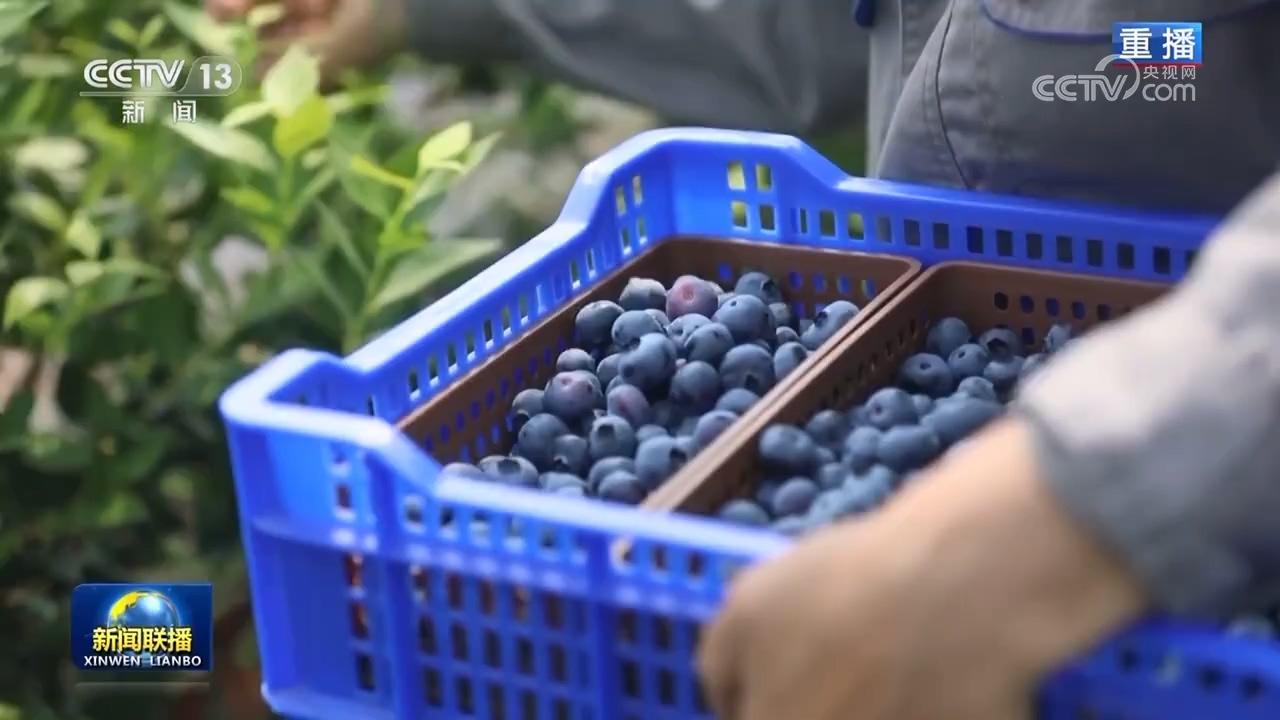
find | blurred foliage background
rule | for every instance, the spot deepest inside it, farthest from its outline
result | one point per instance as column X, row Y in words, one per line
column 145, row 267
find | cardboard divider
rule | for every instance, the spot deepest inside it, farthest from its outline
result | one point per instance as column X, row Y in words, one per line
column 984, row 296
column 809, row 277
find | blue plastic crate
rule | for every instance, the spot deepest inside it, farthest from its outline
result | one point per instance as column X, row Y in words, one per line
column 368, row 606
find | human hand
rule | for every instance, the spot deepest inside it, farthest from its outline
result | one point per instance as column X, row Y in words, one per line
column 951, row 602
column 341, row 33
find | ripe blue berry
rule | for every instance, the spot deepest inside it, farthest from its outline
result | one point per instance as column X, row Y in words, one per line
column 1032, row 364
column 923, row 404
column 784, row 335
column 525, row 405
column 577, row 491
column 958, row 417
column 695, row 387
column 737, row 401
column 832, row 475
column 788, row 450
column 828, row 428
column 968, row 360
column 570, row 455
column 949, row 334
column 631, row 326
column 607, row 369
column 1001, row 343
column 1057, row 338
column 601, row 468
column 868, row 489
column 510, row 470
column 747, row 318
column 708, row 343
column 572, row 395
column 464, row 470
column 908, row 447
column 536, row 439
column 787, row 358
column 622, row 487
column 1253, row 627
column 749, row 367
column 691, row 295
column 628, row 402
column 575, row 359
column 644, row 432
column 664, row 322
column 889, row 407
column 594, row 322
column 764, row 492
column 667, row 414
column 1003, row 373
column 861, row 448
column 792, row 526
column 979, row 388
column 650, row 363
column 743, row 512
column 926, row 373
column 783, row 316
column 710, row 425
column 794, row 497
column 611, row 436
column 826, row 455
column 643, row 294
column 659, row 458
column 828, row 322
column 682, row 327
column 759, row 285
column 686, row 428
column 553, row 481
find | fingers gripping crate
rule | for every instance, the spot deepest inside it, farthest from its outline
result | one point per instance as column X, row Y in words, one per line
column 367, row 606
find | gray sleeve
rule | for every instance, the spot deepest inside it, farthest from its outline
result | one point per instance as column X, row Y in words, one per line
column 1161, row 432
column 781, row 65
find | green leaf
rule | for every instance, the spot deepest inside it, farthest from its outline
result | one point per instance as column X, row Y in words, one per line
column 419, row 269
column 151, row 31
column 374, row 198
column 264, row 15
column 13, row 712
column 249, row 199
column 44, row 65
column 227, row 143
column 336, row 233
column 373, row 171
column 316, row 185
column 122, row 31
column 247, row 113
column 349, row 100
column 83, row 272
column 121, row 509
column 201, row 29
column 83, row 236
column 480, row 150
column 445, row 145
column 307, row 125
column 291, row 81
column 51, row 154
column 14, row 15
column 30, row 294
column 39, row 209
column 312, row 264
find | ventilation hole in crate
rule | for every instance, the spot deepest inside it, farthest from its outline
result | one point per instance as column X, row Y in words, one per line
column 353, row 570
column 662, row 632
column 1028, row 336
column 413, row 512
column 697, row 565
column 1093, row 252
column 497, row 701
column 630, row 679
column 855, row 228
column 1004, row 243
column 559, row 663
column 902, row 339
column 739, row 213
column 620, row 200
column 1251, row 687
column 1027, row 304
column 1035, row 246
column 884, row 229
column 418, row 581
column 343, row 497
column 554, row 611
column 843, row 285
column 764, row 177
column 504, row 387
column 1104, row 313
column 458, row 641
column 475, row 411
column 974, row 239
column 462, row 685
column 364, row 671
column 451, row 357
column 520, row 602
column 426, row 635
column 819, row 282
column 1210, row 678
column 590, row 259
column 528, row 705
column 1160, row 260
column 524, row 656
column 795, row 279
column 666, row 687
column 1077, row 310
column 1064, row 249
column 522, row 303
column 1128, row 659
column 941, row 236
column 453, row 590
column 868, row 287
column 302, row 399
column 369, row 407
column 1190, row 257
column 359, row 619
column 642, row 234
column 471, row 345
column 724, row 271
column 625, row 240
column 637, row 189
column 432, row 688
column 737, row 177
column 826, row 223
column 492, row 649
column 626, row 627
column 1001, row 301
column 911, row 232
column 768, row 221
column 801, row 221
column 1051, row 307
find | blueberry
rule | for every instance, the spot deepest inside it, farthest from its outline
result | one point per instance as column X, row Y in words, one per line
column 659, row 458
column 575, row 359
column 907, row 447
column 764, row 492
column 743, row 512
column 628, row 402
column 759, row 285
column 642, row 294
column 691, row 295
column 695, row 387
column 1001, row 343
column 890, row 407
column 570, row 455
column 510, row 470
column 1031, row 364
column 594, row 322
column 682, row 327
column 748, row 367
column 923, row 404
column 1003, row 373
column 1255, row 627
column 747, row 318
column 737, row 401
column 870, row 488
column 525, row 405
column 958, row 417
column 830, row 505
column 979, row 388
column 611, row 436
column 577, row 491
column 664, row 322
column 826, row 455
column 553, row 481
column 861, row 448
column 708, row 343
column 803, row 325
column 667, row 414
column 622, row 487
column 787, row 358
column 928, row 374
column 858, row 416
column 633, row 325
column 788, row 450
column 686, row 428
column 784, row 335
column 583, row 425
column 1057, row 338
column 464, row 470
column 607, row 369
column 828, row 428
column 831, row 475
column 650, row 363
column 793, row 526
column 968, row 360
column 723, row 298
column 828, row 322
column 644, row 432
column 614, row 384
column 536, row 438
column 949, row 334
column 783, row 316
column 710, row 425
column 794, row 497
column 601, row 468
column 571, row 395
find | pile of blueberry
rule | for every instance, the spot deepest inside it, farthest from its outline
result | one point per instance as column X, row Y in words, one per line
column 845, row 463
column 655, row 377
column 1259, row 626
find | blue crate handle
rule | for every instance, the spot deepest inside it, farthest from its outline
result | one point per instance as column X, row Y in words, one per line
column 307, row 422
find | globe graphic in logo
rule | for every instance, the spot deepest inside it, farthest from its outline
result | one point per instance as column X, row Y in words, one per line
column 143, row 608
